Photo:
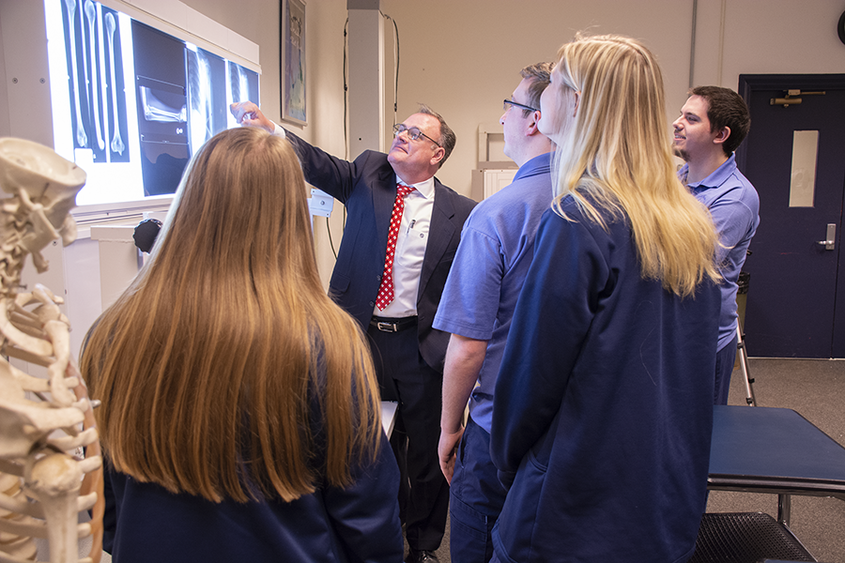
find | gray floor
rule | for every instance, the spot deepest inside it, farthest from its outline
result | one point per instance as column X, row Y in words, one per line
column 816, row 389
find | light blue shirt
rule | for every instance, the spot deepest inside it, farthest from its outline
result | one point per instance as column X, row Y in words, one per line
column 735, row 207
column 497, row 245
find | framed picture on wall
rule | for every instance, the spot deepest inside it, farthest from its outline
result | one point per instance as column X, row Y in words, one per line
column 292, row 59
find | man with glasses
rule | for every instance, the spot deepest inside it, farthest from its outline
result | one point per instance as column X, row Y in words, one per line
column 400, row 238
column 496, row 249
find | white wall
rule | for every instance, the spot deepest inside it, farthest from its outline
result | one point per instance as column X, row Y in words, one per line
column 325, row 21
column 463, row 57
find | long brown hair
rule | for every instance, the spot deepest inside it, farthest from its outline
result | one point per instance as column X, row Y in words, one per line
column 212, row 365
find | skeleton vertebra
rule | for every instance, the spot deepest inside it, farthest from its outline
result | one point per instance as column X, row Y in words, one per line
column 44, row 481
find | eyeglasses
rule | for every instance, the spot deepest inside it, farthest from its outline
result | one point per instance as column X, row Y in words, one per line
column 506, row 105
column 414, row 133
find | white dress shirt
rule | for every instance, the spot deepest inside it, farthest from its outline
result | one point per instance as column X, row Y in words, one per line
column 410, row 250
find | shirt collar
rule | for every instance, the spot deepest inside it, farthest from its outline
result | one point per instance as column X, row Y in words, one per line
column 540, row 164
column 425, row 188
column 716, row 178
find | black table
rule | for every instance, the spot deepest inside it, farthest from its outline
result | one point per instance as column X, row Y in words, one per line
column 765, row 450
column 771, row 450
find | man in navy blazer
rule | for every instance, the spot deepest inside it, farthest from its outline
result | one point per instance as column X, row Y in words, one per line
column 408, row 352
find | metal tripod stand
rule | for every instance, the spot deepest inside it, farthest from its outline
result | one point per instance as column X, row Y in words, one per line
column 743, row 365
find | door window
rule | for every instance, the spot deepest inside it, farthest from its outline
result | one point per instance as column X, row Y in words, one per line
column 802, row 185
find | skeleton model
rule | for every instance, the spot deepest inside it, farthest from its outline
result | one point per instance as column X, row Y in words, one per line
column 44, row 481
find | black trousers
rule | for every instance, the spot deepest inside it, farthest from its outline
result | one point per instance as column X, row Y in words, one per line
column 405, row 377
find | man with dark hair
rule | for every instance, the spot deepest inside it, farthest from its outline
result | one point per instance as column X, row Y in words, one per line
column 496, row 248
column 400, row 238
column 713, row 123
column 726, row 108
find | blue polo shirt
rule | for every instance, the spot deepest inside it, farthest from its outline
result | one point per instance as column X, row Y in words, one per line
column 735, row 207
column 497, row 245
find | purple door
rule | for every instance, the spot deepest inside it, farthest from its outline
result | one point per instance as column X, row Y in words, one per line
column 796, row 297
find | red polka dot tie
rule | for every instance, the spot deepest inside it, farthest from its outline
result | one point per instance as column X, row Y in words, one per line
column 385, row 290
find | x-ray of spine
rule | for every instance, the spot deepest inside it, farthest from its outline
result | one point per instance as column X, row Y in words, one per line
column 95, row 72
column 243, row 85
column 206, row 95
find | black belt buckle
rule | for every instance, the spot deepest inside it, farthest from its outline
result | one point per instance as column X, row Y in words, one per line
column 393, row 325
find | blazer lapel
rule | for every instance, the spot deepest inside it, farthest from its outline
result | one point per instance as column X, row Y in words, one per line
column 384, row 193
column 439, row 234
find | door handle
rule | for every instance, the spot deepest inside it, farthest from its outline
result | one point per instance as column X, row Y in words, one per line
column 830, row 242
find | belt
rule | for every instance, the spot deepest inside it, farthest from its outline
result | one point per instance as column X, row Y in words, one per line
column 385, row 324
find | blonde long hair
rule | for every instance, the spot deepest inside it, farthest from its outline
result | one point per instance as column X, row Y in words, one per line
column 615, row 156
column 213, row 364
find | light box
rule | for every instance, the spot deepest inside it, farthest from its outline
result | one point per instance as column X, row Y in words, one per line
column 131, row 103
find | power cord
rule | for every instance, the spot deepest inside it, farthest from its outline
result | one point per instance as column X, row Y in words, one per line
column 346, row 105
